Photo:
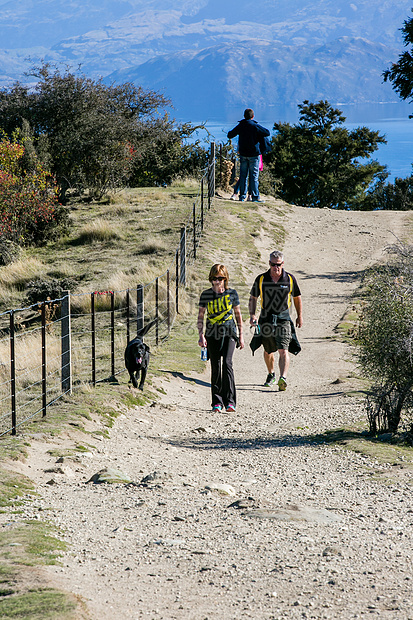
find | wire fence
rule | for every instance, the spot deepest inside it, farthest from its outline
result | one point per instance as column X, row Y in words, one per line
column 50, row 348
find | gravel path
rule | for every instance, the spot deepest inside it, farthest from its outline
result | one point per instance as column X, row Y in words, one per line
column 247, row 516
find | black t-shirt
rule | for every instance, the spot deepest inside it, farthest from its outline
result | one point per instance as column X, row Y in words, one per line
column 276, row 296
column 220, row 316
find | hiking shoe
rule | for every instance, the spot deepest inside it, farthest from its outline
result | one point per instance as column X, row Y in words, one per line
column 217, row 408
column 282, row 384
column 230, row 409
column 270, row 380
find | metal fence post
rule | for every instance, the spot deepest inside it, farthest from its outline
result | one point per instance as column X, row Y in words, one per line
column 211, row 174
column 194, row 225
column 112, row 331
column 12, row 375
column 182, row 254
column 157, row 310
column 127, row 316
column 139, row 308
column 93, row 329
column 44, row 387
column 177, row 282
column 66, row 345
column 202, row 204
column 168, row 305
column 220, row 165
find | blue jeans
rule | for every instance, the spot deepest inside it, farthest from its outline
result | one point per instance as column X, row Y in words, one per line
column 249, row 166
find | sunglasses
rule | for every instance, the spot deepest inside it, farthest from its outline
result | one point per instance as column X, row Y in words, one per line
column 219, row 278
column 275, row 264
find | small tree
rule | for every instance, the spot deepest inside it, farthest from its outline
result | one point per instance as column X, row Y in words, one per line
column 29, row 209
column 385, row 341
column 315, row 163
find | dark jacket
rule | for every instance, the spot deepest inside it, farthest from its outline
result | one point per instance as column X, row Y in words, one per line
column 250, row 134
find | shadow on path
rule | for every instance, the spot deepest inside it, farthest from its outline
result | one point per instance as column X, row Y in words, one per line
column 339, row 436
column 180, row 375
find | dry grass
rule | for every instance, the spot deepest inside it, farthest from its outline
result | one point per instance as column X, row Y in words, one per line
column 99, row 230
column 22, row 271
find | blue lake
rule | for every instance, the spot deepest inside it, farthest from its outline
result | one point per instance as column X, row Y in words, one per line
column 391, row 120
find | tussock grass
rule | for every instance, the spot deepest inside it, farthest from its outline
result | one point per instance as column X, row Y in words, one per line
column 99, row 230
column 153, row 245
column 22, row 271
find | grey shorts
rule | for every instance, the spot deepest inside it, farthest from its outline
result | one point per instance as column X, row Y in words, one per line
column 276, row 338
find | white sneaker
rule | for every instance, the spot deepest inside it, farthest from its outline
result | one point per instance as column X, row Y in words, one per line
column 234, row 197
column 249, row 199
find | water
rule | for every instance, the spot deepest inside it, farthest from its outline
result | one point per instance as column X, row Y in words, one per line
column 391, row 120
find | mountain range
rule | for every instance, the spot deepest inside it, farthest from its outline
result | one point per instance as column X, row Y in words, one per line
column 212, row 55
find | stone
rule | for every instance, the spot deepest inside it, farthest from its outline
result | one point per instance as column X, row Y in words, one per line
column 247, row 502
column 155, row 477
column 110, row 476
column 222, row 489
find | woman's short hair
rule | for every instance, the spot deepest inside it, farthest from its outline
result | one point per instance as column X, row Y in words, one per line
column 219, row 270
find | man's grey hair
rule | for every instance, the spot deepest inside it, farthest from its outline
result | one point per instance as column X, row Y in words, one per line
column 274, row 256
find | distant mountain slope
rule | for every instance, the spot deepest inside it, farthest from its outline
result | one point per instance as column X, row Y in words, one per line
column 265, row 73
column 269, row 50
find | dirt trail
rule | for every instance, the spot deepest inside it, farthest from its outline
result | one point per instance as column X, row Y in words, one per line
column 319, row 532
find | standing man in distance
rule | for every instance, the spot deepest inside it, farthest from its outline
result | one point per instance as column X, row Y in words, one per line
column 249, row 134
column 276, row 288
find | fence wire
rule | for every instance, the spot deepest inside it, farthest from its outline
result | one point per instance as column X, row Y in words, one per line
column 47, row 349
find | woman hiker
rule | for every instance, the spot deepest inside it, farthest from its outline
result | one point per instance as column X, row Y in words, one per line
column 222, row 307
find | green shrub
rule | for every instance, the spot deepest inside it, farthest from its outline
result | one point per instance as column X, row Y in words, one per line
column 30, row 213
column 385, row 342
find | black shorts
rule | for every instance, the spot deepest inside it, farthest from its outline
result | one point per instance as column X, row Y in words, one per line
column 275, row 338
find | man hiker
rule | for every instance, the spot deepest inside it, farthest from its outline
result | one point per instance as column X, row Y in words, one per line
column 275, row 330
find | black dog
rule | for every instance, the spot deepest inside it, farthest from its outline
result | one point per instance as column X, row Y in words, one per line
column 137, row 356
column 137, row 361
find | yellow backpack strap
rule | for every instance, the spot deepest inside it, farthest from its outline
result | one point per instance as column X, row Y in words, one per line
column 260, row 287
column 290, row 291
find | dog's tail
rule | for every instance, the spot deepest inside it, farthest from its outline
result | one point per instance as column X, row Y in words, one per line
column 141, row 332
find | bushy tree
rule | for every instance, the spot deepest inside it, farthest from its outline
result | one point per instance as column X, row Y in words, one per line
column 93, row 131
column 397, row 196
column 315, row 163
column 385, row 341
column 400, row 73
column 29, row 209
column 167, row 153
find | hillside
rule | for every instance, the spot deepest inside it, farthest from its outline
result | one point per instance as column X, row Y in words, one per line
column 285, row 509
column 331, row 49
